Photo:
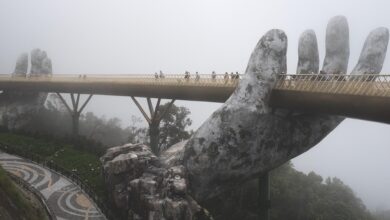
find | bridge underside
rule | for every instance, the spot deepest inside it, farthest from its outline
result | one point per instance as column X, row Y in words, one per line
column 372, row 108
column 165, row 91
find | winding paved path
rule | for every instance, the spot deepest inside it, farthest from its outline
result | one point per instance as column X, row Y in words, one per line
column 65, row 199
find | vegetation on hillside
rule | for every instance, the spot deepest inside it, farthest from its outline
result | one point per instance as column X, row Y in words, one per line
column 294, row 194
column 82, row 161
column 47, row 133
column 54, row 122
column 382, row 215
column 174, row 126
column 14, row 205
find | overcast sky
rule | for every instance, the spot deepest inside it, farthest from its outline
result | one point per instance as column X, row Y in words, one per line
column 144, row 36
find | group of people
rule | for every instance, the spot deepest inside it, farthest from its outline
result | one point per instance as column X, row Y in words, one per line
column 187, row 75
column 232, row 76
column 161, row 76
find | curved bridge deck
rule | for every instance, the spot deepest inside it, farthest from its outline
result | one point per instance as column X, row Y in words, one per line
column 172, row 86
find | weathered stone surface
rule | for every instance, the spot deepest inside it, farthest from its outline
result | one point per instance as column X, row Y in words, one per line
column 245, row 138
column 337, row 46
column 373, row 53
column 40, row 63
column 137, row 158
column 308, row 62
column 173, row 155
column 122, row 164
column 21, row 65
column 143, row 189
column 236, row 142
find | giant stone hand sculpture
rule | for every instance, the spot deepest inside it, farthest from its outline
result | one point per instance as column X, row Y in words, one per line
column 245, row 138
column 15, row 105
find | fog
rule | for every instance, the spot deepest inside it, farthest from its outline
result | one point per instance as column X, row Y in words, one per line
column 145, row 36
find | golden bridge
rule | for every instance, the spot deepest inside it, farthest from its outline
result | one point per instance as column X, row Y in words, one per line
column 358, row 96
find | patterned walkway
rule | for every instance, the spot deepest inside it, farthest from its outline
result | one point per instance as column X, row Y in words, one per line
column 64, row 198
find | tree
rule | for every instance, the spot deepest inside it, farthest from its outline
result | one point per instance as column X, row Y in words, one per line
column 382, row 214
column 167, row 124
column 136, row 133
column 106, row 131
column 174, row 125
column 75, row 110
column 53, row 120
column 295, row 195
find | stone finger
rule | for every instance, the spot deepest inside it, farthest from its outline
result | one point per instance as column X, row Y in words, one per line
column 337, row 46
column 373, row 53
column 40, row 63
column 269, row 55
column 308, row 58
column 267, row 61
column 21, row 65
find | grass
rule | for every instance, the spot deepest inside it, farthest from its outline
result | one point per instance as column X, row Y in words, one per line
column 20, row 207
column 83, row 163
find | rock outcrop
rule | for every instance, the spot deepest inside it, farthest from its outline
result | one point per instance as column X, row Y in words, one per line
column 15, row 106
column 141, row 188
column 245, row 138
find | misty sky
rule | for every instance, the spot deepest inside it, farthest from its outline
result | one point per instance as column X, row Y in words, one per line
column 144, row 36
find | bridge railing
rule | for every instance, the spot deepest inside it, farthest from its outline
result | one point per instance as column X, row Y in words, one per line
column 150, row 79
column 362, row 84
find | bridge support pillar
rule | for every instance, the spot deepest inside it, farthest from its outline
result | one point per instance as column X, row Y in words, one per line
column 75, row 111
column 153, row 120
column 264, row 197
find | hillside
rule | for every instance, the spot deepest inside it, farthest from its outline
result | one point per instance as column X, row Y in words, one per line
column 81, row 161
column 294, row 195
column 17, row 204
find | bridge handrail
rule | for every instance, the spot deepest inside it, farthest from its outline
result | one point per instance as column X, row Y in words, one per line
column 143, row 76
column 355, row 84
column 168, row 79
